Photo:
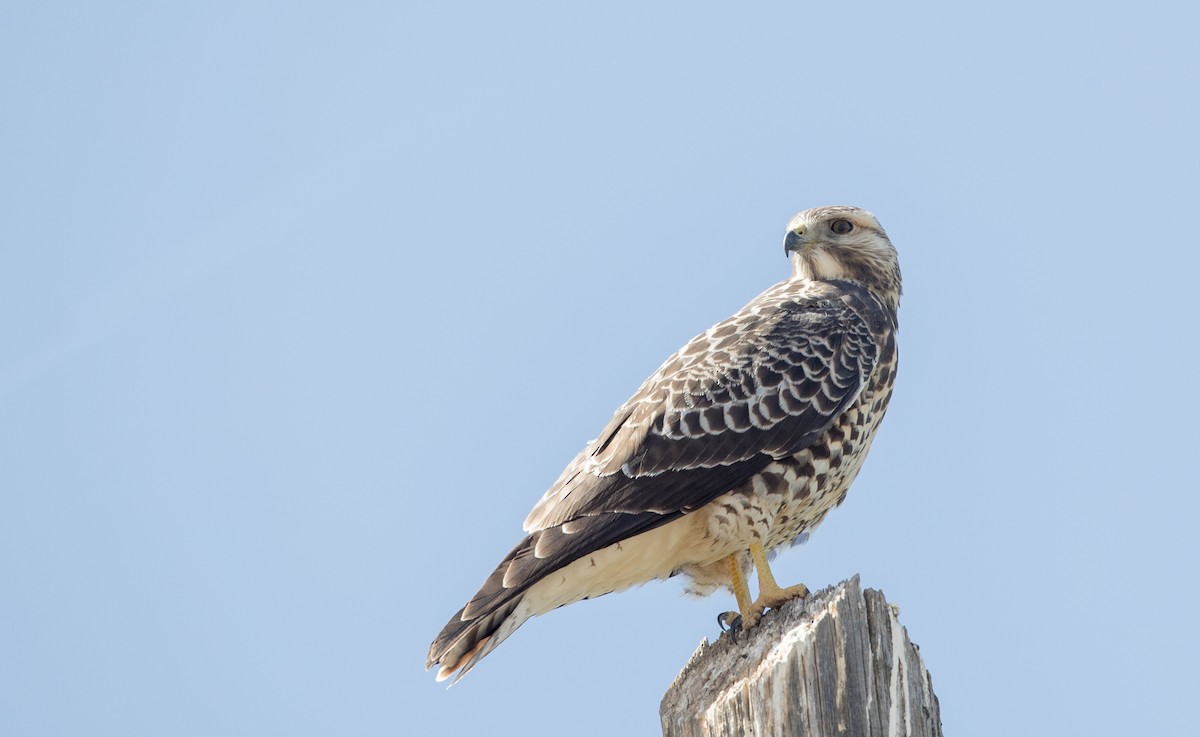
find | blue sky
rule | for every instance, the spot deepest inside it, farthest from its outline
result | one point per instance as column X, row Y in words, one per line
column 303, row 307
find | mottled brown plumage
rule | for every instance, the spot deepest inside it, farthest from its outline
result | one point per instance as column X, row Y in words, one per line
column 740, row 442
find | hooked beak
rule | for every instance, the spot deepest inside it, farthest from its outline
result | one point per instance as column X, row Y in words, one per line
column 794, row 241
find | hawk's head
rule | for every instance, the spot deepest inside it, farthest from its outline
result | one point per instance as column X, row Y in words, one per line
column 842, row 242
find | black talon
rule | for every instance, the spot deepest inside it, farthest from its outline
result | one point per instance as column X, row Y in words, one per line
column 730, row 622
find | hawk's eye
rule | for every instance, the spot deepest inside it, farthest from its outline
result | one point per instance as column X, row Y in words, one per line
column 841, row 227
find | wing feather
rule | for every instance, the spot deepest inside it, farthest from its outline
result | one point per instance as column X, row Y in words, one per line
column 759, row 386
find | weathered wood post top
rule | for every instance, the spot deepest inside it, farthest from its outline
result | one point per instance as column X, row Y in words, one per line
column 836, row 663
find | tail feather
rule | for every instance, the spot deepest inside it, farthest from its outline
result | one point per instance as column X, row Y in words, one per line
column 462, row 644
column 502, row 604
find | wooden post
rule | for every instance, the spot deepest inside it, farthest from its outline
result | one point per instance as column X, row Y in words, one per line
column 836, row 663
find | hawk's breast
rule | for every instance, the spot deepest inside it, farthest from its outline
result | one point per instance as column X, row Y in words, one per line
column 792, row 495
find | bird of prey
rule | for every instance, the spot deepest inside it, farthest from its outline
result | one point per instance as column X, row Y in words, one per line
column 736, row 446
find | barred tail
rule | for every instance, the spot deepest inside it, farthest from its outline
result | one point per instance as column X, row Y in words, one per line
column 511, row 595
column 462, row 644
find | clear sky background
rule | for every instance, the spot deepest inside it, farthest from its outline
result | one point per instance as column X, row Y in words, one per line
column 302, row 308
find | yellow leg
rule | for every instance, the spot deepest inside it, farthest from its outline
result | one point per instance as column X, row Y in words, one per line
column 769, row 592
column 740, row 589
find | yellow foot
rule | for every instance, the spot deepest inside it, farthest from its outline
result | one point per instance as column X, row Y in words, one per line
column 770, row 595
column 771, row 598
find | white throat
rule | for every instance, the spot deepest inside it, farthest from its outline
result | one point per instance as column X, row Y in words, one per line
column 816, row 264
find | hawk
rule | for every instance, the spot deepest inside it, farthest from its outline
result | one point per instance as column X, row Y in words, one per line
column 736, row 446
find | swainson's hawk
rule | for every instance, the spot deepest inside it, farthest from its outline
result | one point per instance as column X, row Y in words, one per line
column 738, row 444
